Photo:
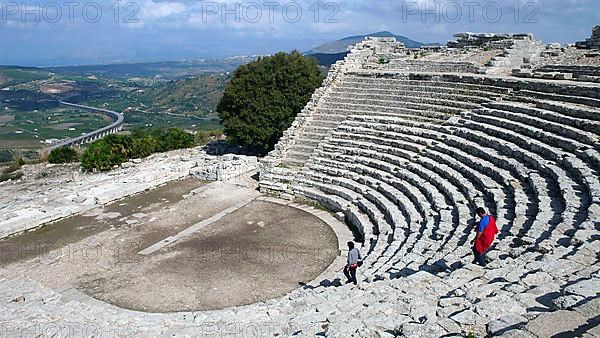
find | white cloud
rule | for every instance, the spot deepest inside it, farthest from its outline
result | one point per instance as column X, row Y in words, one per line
column 151, row 10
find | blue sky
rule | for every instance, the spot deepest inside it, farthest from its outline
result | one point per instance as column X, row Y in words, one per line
column 104, row 31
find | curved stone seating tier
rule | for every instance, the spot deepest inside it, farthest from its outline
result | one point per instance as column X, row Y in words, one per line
column 440, row 92
column 426, row 134
column 534, row 151
column 388, row 98
column 388, row 138
column 419, row 105
column 576, row 70
column 568, row 195
column 499, row 184
column 537, row 111
column 407, row 116
column 580, row 144
column 417, row 110
column 391, row 145
column 513, row 172
column 381, row 211
column 559, row 100
column 431, row 100
column 357, row 148
column 402, row 237
column 590, row 113
column 415, row 80
column 563, row 91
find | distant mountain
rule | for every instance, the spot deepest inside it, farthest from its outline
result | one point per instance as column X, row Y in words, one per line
column 342, row 45
column 330, row 52
column 164, row 69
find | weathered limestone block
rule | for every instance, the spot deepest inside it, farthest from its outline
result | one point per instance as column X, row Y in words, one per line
column 585, row 288
column 549, row 324
column 566, row 302
column 466, row 317
column 505, row 323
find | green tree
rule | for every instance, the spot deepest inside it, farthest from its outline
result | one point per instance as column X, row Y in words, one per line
column 96, row 156
column 202, row 137
column 144, row 146
column 107, row 152
column 176, row 139
column 263, row 98
column 63, row 155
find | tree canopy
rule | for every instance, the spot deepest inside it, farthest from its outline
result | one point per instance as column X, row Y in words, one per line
column 63, row 155
column 264, row 96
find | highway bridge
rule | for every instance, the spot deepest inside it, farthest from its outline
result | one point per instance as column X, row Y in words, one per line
column 113, row 128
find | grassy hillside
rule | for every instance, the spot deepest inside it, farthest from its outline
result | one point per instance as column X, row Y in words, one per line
column 194, row 96
column 30, row 113
column 14, row 75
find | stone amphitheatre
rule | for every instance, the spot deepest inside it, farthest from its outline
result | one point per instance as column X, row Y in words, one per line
column 396, row 150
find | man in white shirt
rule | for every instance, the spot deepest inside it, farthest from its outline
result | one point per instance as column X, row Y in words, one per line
column 354, row 259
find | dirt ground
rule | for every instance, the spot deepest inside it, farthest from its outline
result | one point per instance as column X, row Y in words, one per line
column 258, row 252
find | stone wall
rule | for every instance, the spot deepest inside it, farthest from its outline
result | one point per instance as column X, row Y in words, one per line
column 580, row 90
column 226, row 167
column 468, row 39
column 593, row 42
column 427, row 66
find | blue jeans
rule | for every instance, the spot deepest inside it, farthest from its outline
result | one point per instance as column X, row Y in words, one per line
column 479, row 257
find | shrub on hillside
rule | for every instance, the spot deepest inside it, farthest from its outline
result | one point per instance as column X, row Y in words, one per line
column 12, row 172
column 176, row 139
column 115, row 149
column 202, row 137
column 15, row 175
column 263, row 98
column 104, row 154
column 144, row 146
column 63, row 155
column 16, row 165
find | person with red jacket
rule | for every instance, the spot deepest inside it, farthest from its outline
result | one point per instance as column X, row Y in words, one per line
column 486, row 231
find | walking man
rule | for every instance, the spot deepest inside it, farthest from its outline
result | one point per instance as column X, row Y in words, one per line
column 354, row 260
column 486, row 231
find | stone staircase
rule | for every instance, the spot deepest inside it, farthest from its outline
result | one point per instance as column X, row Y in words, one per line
column 522, row 54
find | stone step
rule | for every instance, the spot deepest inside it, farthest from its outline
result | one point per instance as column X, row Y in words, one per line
column 528, row 148
column 424, row 86
column 538, row 111
column 407, row 114
column 570, row 145
column 568, row 194
column 357, row 76
column 409, row 92
column 591, row 100
column 352, row 190
column 402, row 101
column 409, row 108
column 399, row 199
